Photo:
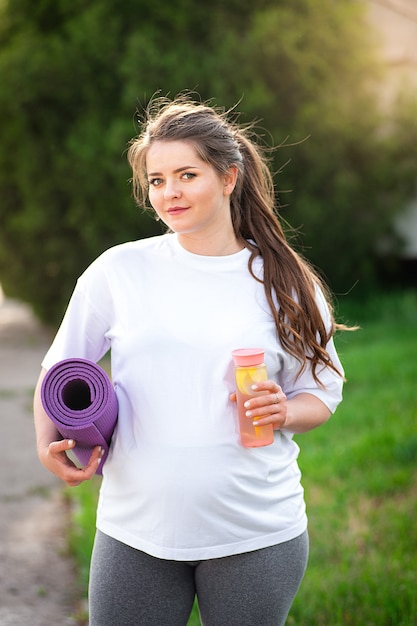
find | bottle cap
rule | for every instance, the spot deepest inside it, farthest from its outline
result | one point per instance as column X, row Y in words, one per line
column 248, row 356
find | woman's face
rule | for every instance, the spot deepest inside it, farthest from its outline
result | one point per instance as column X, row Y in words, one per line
column 187, row 193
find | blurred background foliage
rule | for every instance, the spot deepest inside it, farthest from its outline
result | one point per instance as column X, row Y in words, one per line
column 74, row 74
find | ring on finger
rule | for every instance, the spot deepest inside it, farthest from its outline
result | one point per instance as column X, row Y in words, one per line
column 277, row 400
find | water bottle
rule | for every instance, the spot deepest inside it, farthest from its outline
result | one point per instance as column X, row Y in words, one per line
column 250, row 369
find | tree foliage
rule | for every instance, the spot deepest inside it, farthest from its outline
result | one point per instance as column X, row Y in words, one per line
column 73, row 74
column 312, row 76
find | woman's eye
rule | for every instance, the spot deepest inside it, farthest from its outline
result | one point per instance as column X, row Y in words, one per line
column 154, row 182
column 188, row 175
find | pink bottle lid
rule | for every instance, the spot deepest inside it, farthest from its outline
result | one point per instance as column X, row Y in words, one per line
column 248, row 356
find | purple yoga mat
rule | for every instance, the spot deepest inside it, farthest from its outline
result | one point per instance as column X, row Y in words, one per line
column 80, row 399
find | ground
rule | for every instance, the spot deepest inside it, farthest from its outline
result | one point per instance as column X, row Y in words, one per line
column 37, row 578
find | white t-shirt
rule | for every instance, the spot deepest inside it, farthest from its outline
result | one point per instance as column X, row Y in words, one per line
column 177, row 484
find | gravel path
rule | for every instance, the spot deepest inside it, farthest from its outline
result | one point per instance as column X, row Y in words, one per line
column 37, row 583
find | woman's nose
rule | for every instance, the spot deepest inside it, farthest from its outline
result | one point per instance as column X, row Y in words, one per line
column 171, row 190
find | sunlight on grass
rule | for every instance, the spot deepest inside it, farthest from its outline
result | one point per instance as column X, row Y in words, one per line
column 360, row 476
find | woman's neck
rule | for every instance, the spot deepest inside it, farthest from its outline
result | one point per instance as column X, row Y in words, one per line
column 210, row 246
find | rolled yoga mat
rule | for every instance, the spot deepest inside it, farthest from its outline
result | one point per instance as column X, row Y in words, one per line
column 80, row 399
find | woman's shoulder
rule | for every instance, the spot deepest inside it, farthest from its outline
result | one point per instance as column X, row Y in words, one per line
column 127, row 256
column 137, row 246
column 124, row 252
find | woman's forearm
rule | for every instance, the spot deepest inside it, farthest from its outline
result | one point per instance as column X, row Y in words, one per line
column 305, row 412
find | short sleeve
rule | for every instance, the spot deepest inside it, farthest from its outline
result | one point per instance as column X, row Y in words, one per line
column 331, row 388
column 84, row 331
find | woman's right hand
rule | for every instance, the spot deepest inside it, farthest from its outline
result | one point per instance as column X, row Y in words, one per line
column 54, row 458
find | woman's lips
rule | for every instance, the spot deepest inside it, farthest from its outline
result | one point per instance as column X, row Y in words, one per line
column 177, row 210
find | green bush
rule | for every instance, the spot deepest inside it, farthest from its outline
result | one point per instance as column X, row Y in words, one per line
column 74, row 73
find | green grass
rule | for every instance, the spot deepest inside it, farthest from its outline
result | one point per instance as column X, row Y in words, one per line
column 360, row 477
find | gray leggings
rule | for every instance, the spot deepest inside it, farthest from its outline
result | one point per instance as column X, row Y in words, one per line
column 131, row 588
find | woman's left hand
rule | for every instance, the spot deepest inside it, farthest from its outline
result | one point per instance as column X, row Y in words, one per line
column 269, row 407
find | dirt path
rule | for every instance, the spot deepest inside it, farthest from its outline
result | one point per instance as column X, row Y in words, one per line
column 37, row 584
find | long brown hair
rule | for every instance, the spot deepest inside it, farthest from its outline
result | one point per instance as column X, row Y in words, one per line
column 288, row 279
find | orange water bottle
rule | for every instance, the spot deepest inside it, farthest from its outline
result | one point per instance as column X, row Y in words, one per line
column 250, row 369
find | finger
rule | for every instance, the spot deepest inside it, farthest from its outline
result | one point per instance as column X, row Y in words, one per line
column 62, row 445
column 265, row 411
column 57, row 456
column 76, row 475
column 277, row 419
column 269, row 402
column 232, row 397
column 90, row 467
column 95, row 459
column 267, row 385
